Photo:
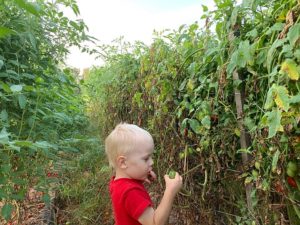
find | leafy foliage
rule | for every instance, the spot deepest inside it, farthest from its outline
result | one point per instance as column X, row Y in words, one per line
column 41, row 115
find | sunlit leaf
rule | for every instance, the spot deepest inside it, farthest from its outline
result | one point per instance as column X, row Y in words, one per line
column 16, row 88
column 191, row 84
column 28, row 6
column 4, row 31
column 248, row 180
column 237, row 132
column 5, row 87
column 290, row 68
column 204, row 8
column 23, row 143
column 282, row 98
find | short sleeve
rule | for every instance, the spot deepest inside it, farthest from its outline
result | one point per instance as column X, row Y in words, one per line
column 136, row 202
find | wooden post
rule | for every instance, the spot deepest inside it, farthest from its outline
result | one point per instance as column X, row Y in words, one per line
column 243, row 137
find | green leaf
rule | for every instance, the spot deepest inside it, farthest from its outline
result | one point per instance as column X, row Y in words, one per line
column 75, row 9
column 278, row 43
column 182, row 85
column 294, row 34
column 206, row 122
column 3, row 193
column 275, row 27
column 282, row 98
column 5, row 87
column 4, row 31
column 253, row 33
column 274, row 119
column 297, row 54
column 75, row 25
column 234, row 15
column 4, row 115
column 1, row 63
column 12, row 146
column 195, row 125
column 44, row 145
column 32, row 40
column 6, row 211
column 28, row 6
column 270, row 101
column 46, row 198
column 4, row 136
column 204, row 8
column 249, row 123
column 22, row 101
column 275, row 160
column 248, row 180
column 219, row 29
column 295, row 99
column 290, row 68
column 16, row 88
column 19, row 196
column 23, row 143
column 242, row 56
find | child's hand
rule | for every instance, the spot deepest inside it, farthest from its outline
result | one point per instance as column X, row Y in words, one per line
column 151, row 177
column 173, row 184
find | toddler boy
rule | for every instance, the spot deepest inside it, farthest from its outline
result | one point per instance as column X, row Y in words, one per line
column 129, row 149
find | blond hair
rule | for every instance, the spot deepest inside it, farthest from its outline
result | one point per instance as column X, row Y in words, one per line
column 122, row 140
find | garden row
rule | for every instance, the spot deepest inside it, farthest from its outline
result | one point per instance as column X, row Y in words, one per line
column 222, row 102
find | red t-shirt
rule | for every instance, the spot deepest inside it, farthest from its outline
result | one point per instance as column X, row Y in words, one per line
column 129, row 200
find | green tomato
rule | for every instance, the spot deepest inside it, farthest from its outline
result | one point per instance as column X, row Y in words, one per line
column 254, row 173
column 257, row 165
column 292, row 166
column 172, row 174
column 290, row 172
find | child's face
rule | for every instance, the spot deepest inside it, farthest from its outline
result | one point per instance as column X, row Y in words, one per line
column 139, row 162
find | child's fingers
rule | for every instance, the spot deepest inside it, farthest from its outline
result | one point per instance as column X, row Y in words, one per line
column 152, row 175
column 148, row 181
column 177, row 176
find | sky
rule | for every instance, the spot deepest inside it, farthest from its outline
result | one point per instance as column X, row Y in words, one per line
column 133, row 19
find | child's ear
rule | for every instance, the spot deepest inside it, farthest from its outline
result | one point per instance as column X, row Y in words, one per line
column 121, row 161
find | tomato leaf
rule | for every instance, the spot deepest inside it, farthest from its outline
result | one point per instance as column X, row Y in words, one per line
column 289, row 67
column 6, row 211
column 275, row 160
column 274, row 119
column 294, row 34
column 282, row 98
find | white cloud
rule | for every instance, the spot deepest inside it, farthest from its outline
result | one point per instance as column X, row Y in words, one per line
column 111, row 19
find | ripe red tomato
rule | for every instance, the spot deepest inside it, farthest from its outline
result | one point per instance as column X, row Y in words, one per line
column 185, row 132
column 291, row 181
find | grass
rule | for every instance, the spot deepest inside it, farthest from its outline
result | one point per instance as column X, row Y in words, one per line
column 83, row 197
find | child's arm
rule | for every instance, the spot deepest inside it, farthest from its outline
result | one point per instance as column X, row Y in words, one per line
column 161, row 214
